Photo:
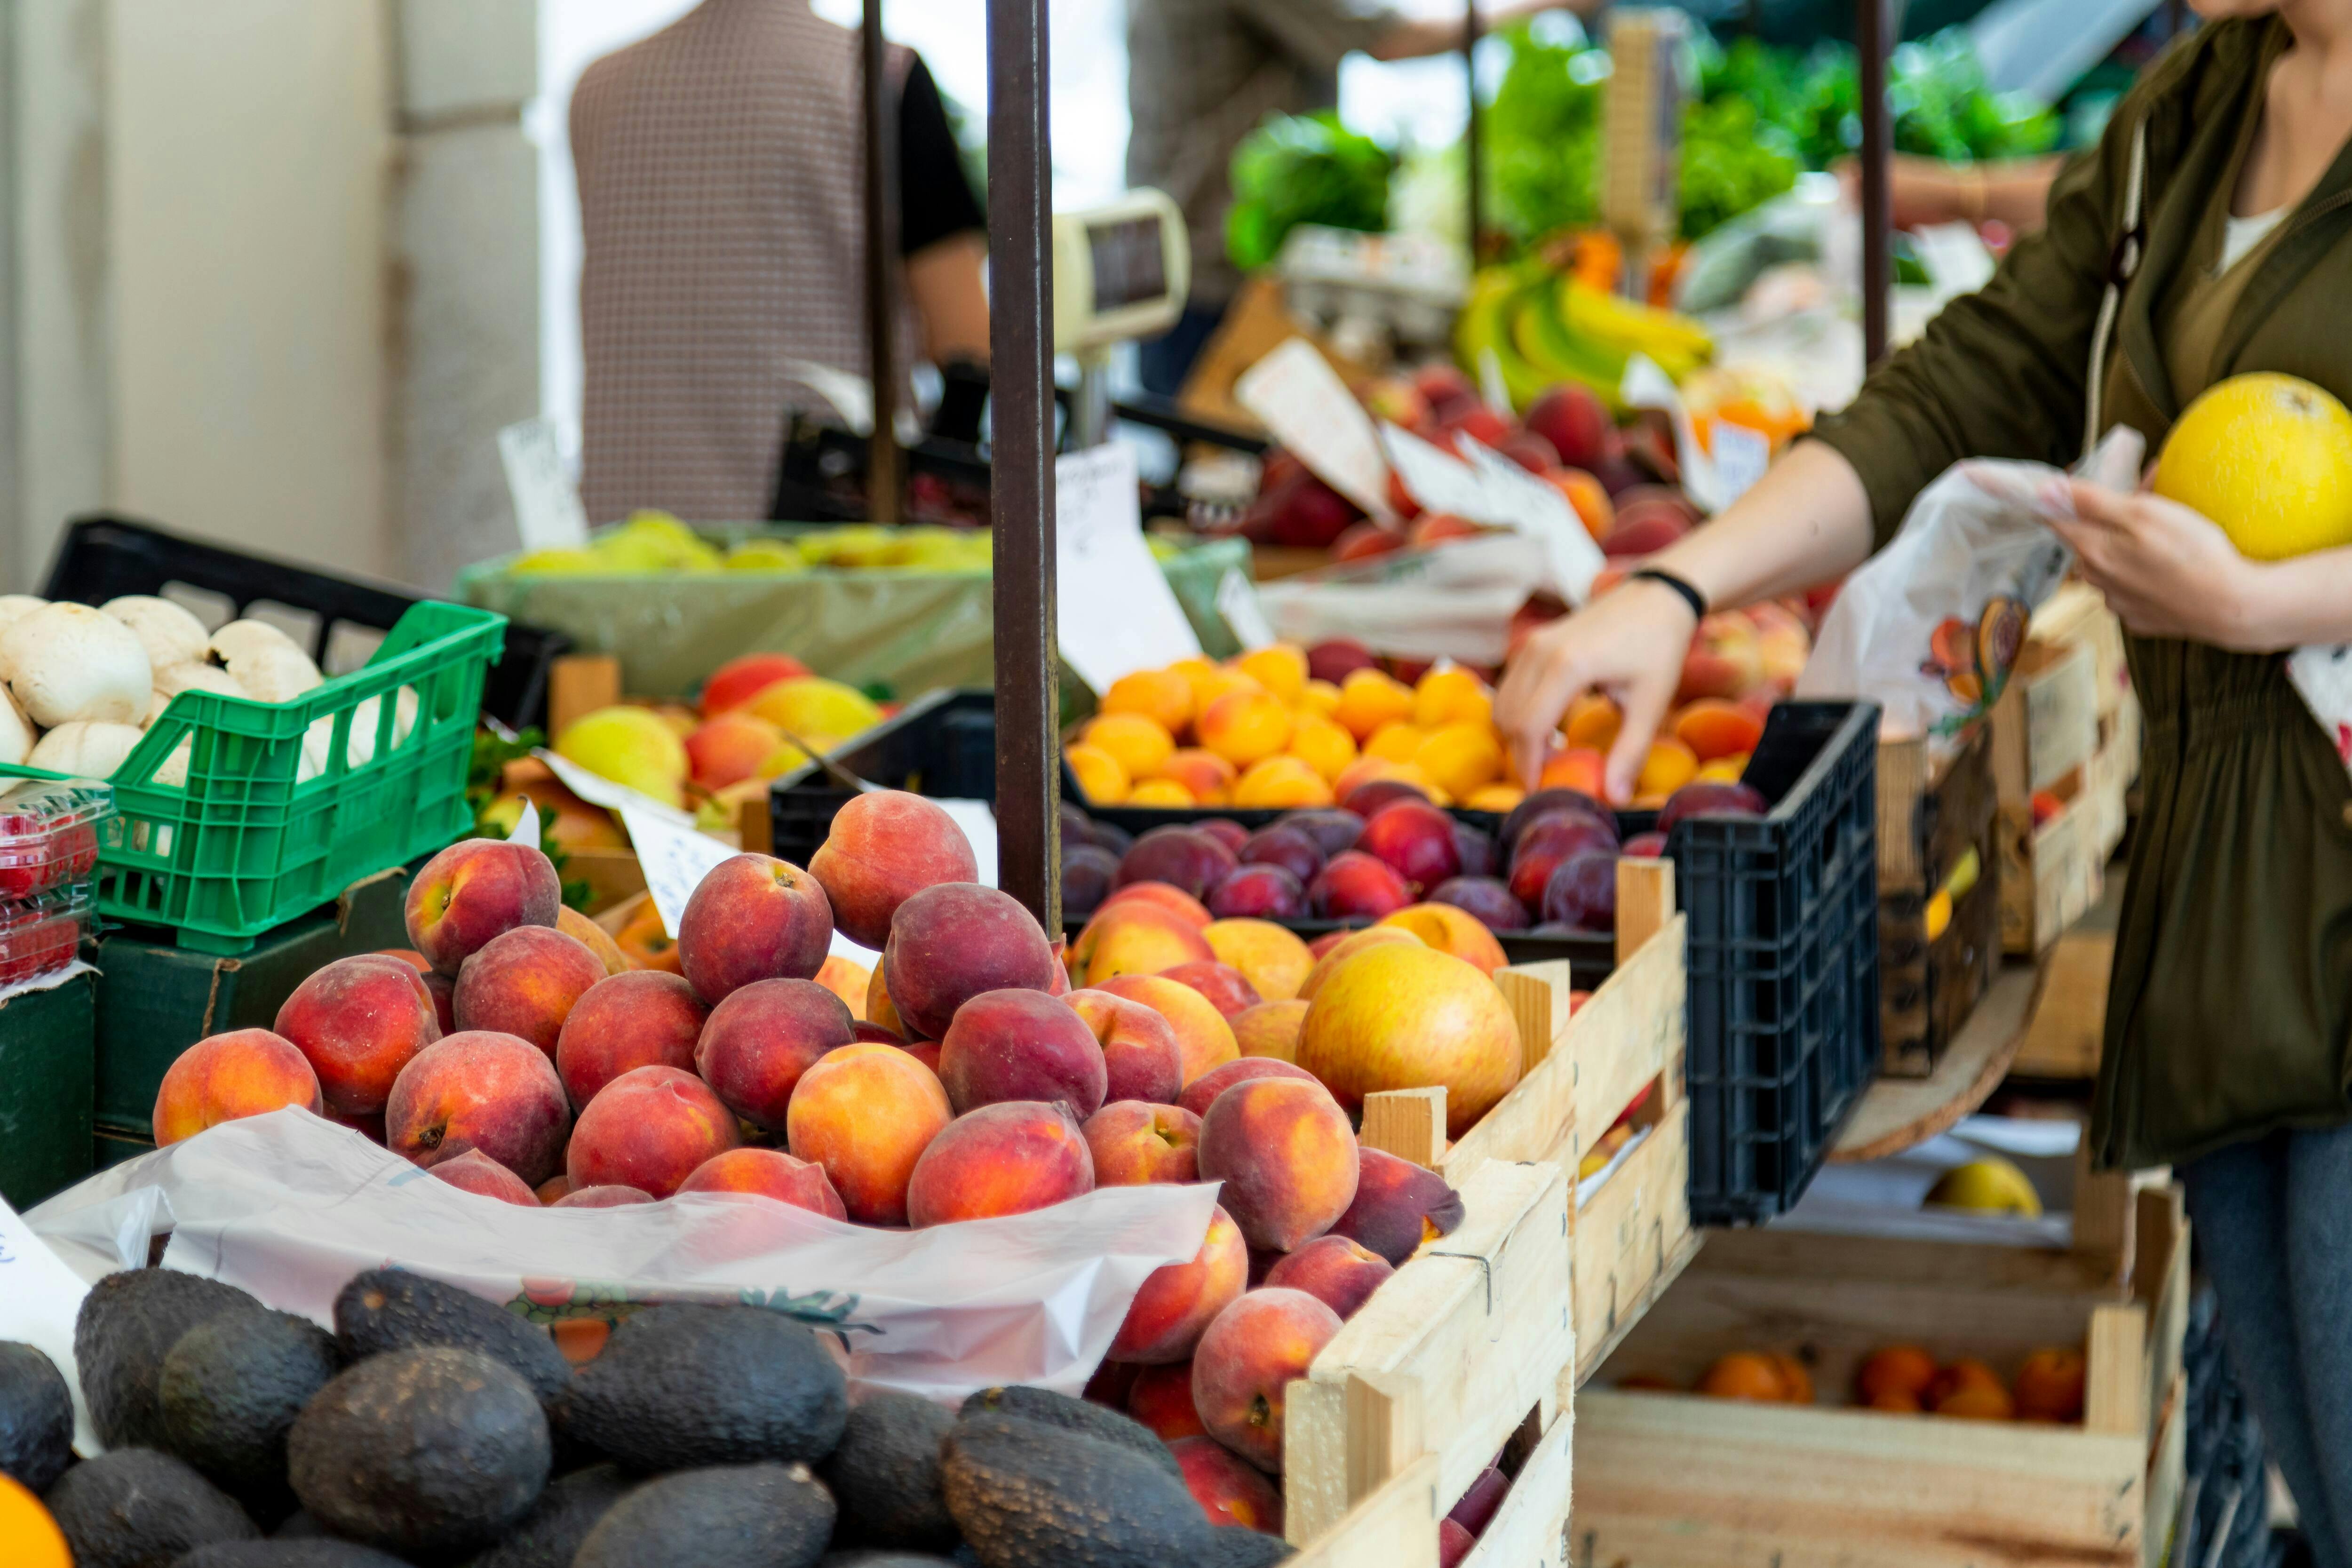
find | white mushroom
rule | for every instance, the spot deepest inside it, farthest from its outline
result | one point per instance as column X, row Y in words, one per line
column 318, row 745
column 17, row 733
column 361, row 746
column 17, row 606
column 173, row 773
column 84, row 748
column 66, row 662
column 172, row 680
column 275, row 674
column 171, row 634
column 238, row 639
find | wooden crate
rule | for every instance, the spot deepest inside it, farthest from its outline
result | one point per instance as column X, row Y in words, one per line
column 1932, row 815
column 1673, row 1481
column 2046, row 735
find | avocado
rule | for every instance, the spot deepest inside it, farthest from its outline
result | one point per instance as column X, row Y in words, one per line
column 729, row 1516
column 392, row 1309
column 1099, row 1422
column 883, row 1560
column 127, row 1324
column 37, row 1418
column 230, row 1388
column 322, row 1552
column 424, row 1452
column 684, row 1387
column 885, row 1474
column 137, row 1507
column 550, row 1533
column 1238, row 1546
column 1031, row 1496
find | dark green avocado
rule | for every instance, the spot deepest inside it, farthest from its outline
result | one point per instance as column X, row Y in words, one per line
column 391, row 1309
column 137, row 1507
column 684, row 1387
column 128, row 1324
column 319, row 1554
column 885, row 1474
column 230, row 1389
column 37, row 1418
column 1031, row 1496
column 730, row 1516
column 1238, row 1546
column 1100, row 1422
column 550, row 1533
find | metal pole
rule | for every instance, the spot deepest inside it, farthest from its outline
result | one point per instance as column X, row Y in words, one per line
column 885, row 462
column 1021, row 354
column 1472, row 136
column 1872, row 41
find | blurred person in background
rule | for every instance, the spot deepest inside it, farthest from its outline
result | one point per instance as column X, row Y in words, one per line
column 1206, row 73
column 723, row 225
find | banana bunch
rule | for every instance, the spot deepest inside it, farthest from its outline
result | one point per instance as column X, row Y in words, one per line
column 1540, row 328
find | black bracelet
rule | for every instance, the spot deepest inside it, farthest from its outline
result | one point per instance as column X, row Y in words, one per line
column 1690, row 595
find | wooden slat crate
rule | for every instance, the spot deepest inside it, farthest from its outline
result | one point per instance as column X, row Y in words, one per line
column 1935, row 964
column 1673, row 1481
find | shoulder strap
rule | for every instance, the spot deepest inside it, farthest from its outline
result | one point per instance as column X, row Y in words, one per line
column 2121, row 265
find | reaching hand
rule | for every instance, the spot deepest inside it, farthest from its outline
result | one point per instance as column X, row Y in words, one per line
column 2165, row 570
column 1630, row 643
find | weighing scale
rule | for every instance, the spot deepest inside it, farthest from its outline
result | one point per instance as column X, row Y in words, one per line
column 1122, row 271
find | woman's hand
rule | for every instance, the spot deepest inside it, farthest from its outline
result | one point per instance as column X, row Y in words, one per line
column 1629, row 643
column 2165, row 570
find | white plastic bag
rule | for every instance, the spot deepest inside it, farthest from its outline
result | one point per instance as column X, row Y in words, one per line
column 1929, row 626
column 290, row 1206
column 1455, row 601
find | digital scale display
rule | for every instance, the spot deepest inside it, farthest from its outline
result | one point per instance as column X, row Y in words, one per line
column 1129, row 264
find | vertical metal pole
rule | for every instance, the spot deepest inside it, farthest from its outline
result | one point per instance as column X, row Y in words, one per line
column 1871, row 42
column 885, row 463
column 1473, row 140
column 1021, row 354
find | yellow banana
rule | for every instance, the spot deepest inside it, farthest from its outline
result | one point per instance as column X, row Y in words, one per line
column 1676, row 342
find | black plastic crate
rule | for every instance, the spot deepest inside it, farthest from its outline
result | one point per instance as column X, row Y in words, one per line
column 1783, row 961
column 943, row 743
column 101, row 557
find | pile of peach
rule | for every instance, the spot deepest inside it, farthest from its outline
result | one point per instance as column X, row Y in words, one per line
column 1906, row 1379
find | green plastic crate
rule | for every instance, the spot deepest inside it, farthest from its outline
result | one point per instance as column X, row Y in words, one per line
column 256, row 837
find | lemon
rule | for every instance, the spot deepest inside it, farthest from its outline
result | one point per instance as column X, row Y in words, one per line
column 2269, row 458
column 1989, row 1185
column 632, row 746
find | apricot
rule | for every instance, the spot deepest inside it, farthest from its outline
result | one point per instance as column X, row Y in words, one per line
column 1345, row 946
column 476, row 1173
column 2049, row 1387
column 649, row 1128
column 1398, row 1017
column 1745, row 1375
column 1230, row 1490
column 754, row 917
column 1669, row 766
column 1017, row 1044
column 755, row 1044
column 1164, row 696
column 1160, row 1397
column 1100, row 778
column 1009, row 1158
column 1978, row 1402
column 1286, row 1155
column 1336, row 1271
column 1212, row 681
column 1276, row 783
column 1712, row 729
column 1137, row 1143
column 883, row 849
column 1203, row 1036
column 525, row 983
column 1461, row 758
column 1397, row 1208
column 1356, row 886
column 1177, row 1302
column 1579, row 768
column 645, row 943
column 950, row 944
column 1453, row 695
column 1141, row 1057
column 1446, row 929
column 769, row 1173
column 1794, row 1377
column 1369, row 699
column 1323, row 745
column 1269, row 1030
column 849, row 980
column 1897, row 1370
column 866, row 1113
column 1206, row 777
column 1965, row 1373
column 1244, row 726
column 1271, row 959
column 1138, row 742
column 1497, row 798
column 1247, row 1359
column 590, row 935
column 358, row 1021
column 643, row 1018
column 1166, row 795
column 1318, row 697
column 1256, row 892
column 1169, row 900
column 480, row 1089
column 1398, row 742
column 1227, row 989
column 604, row 1197
column 1203, row 1092
column 1134, row 937
column 1592, row 722
column 1280, row 667
column 555, row 1187
column 474, row 890
column 226, row 1077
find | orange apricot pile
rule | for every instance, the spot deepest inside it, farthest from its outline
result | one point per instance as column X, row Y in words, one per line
column 1905, row 1380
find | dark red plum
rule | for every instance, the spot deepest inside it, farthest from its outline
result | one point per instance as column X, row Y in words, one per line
column 1477, row 848
column 1546, row 844
column 1710, row 800
column 1288, row 847
column 1331, row 828
column 1088, row 873
column 1366, row 799
column 1546, row 800
column 1415, row 840
column 1225, row 830
column 1180, row 856
column 1487, row 899
column 1355, row 886
column 1259, row 892
column 1583, row 892
column 1646, row 846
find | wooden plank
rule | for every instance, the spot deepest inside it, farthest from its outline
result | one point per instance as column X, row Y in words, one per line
column 2045, row 724
column 1896, row 1113
column 1396, row 1527
column 1407, row 1122
column 2160, row 1280
column 579, row 684
column 1630, row 1034
column 1633, row 1234
column 1531, row 1529
column 1646, row 903
column 2115, row 1393
column 755, row 826
column 1771, row 1252
column 613, row 875
column 2168, row 1468
column 1903, row 778
column 2077, row 613
column 2066, row 1033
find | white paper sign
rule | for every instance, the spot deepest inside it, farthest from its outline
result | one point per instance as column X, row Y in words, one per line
column 1523, row 503
column 548, row 514
column 675, row 860
column 1647, row 386
column 1438, row 480
column 1301, row 400
column 1741, row 456
column 978, row 820
column 526, row 827
column 39, row 1298
column 1118, row 614
column 598, row 790
column 1237, row 602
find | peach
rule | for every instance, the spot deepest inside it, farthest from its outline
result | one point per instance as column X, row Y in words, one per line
column 1205, row 776
column 1164, row 696
column 1255, row 892
column 1398, row 1205
column 1203, row 1092
column 222, row 1077
column 1449, row 929
column 1273, row 961
column 475, row 889
column 755, row 1046
column 1406, row 1017
column 1110, row 1384
column 1167, row 899
column 950, row 944
column 1287, row 1157
column 1134, row 938
column 866, row 1113
column 770, row 1173
column 849, row 980
column 649, row 1128
column 1250, row 1356
column 1003, row 1159
column 1137, row 1143
column 1021, row 1045
column 1141, row 1057
column 741, row 679
column 1160, row 1397
column 1202, row 1035
column 554, row 1188
column 878, row 1009
column 1227, row 989
column 409, row 956
column 1336, row 1271
column 1725, row 659
column 525, row 982
column 1270, row 1030
column 475, row 1090
column 1177, row 1302
column 358, row 1021
column 884, row 847
column 754, row 917
column 643, row 941
column 610, row 1196
column 1186, row 859
column 728, row 749
column 476, row 1173
column 593, row 937
column 1355, row 886
column 643, row 1018
column 925, row 1052
column 1590, row 500
column 1347, row 945
column 1231, row 1492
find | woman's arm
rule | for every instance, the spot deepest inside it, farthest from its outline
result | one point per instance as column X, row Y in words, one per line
column 1806, row 522
column 950, row 299
column 2168, row 572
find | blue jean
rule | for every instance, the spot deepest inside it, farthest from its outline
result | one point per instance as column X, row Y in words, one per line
column 2274, row 1225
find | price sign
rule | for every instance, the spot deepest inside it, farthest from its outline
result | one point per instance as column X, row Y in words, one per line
column 1301, row 400
column 1117, row 613
column 548, row 514
column 39, row 1298
column 1237, row 603
column 675, row 860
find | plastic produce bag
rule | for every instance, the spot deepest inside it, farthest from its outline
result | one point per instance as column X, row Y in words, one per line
column 1929, row 627
column 1455, row 601
column 290, row 1206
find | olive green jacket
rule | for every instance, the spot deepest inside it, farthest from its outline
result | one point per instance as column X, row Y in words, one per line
column 2230, row 1006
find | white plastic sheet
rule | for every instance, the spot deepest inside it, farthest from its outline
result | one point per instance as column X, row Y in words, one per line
column 290, row 1206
